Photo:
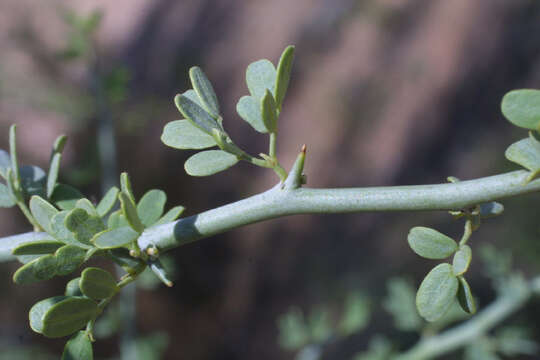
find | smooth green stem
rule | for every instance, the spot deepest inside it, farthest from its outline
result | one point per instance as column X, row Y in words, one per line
column 272, row 147
column 469, row 331
column 278, row 202
column 467, row 233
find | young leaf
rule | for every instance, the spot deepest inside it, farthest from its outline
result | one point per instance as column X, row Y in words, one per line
column 525, row 152
column 430, row 243
column 283, row 75
column 249, row 109
column 68, row 259
column 83, row 225
column 40, row 309
column 68, row 316
column 6, row 198
column 462, row 260
column 5, row 163
column 161, row 273
column 79, row 347
column 192, row 95
column 53, row 173
column 33, row 180
column 116, row 220
column 269, row 112
column 86, row 205
column 209, row 162
column 72, row 288
column 65, row 197
column 39, row 247
column 125, row 186
column 260, row 75
column 465, row 297
column 62, row 233
column 204, row 90
column 182, row 134
column 171, row 215
column 107, row 203
column 116, row 237
column 437, row 292
column 150, row 207
column 43, row 212
column 196, row 114
column 130, row 212
column 97, row 284
column 522, row 108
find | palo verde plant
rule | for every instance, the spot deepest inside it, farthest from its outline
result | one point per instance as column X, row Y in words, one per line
column 69, row 229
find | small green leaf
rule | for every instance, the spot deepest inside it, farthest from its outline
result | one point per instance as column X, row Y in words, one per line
column 462, row 260
column 97, row 284
column 196, row 114
column 525, row 152
column 68, row 316
column 150, row 207
column 86, row 205
column 430, row 243
column 38, row 311
column 465, row 297
column 116, row 220
column 72, row 288
column 171, row 215
column 79, row 347
column 209, row 162
column 125, row 186
column 283, row 75
column 42, row 268
column 7, row 200
column 115, row 237
column 204, row 90
column 182, row 134
column 260, row 75
column 158, row 269
column 437, row 292
column 83, row 225
column 522, row 108
column 249, row 109
column 192, row 95
column 130, row 212
column 43, row 212
column 62, row 233
column 33, row 180
column 5, row 163
column 68, row 259
column 269, row 112
column 37, row 247
column 107, row 203
column 53, row 173
column 65, row 197
column 59, row 144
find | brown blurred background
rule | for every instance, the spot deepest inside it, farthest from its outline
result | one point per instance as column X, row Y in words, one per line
column 383, row 92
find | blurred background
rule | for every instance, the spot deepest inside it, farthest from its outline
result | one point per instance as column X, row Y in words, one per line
column 383, row 92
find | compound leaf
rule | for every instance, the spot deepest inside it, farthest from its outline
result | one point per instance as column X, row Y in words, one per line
column 116, row 237
column 283, row 74
column 462, row 260
column 209, row 162
column 437, row 292
column 79, row 347
column 97, row 284
column 522, row 108
column 260, row 75
column 249, row 109
column 204, row 90
column 150, row 207
column 107, row 203
column 430, row 243
column 182, row 134
column 196, row 114
column 68, row 316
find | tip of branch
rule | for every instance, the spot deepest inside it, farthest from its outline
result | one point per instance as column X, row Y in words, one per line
column 304, row 148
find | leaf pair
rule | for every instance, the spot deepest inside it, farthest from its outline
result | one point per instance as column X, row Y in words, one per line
column 444, row 282
column 267, row 87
